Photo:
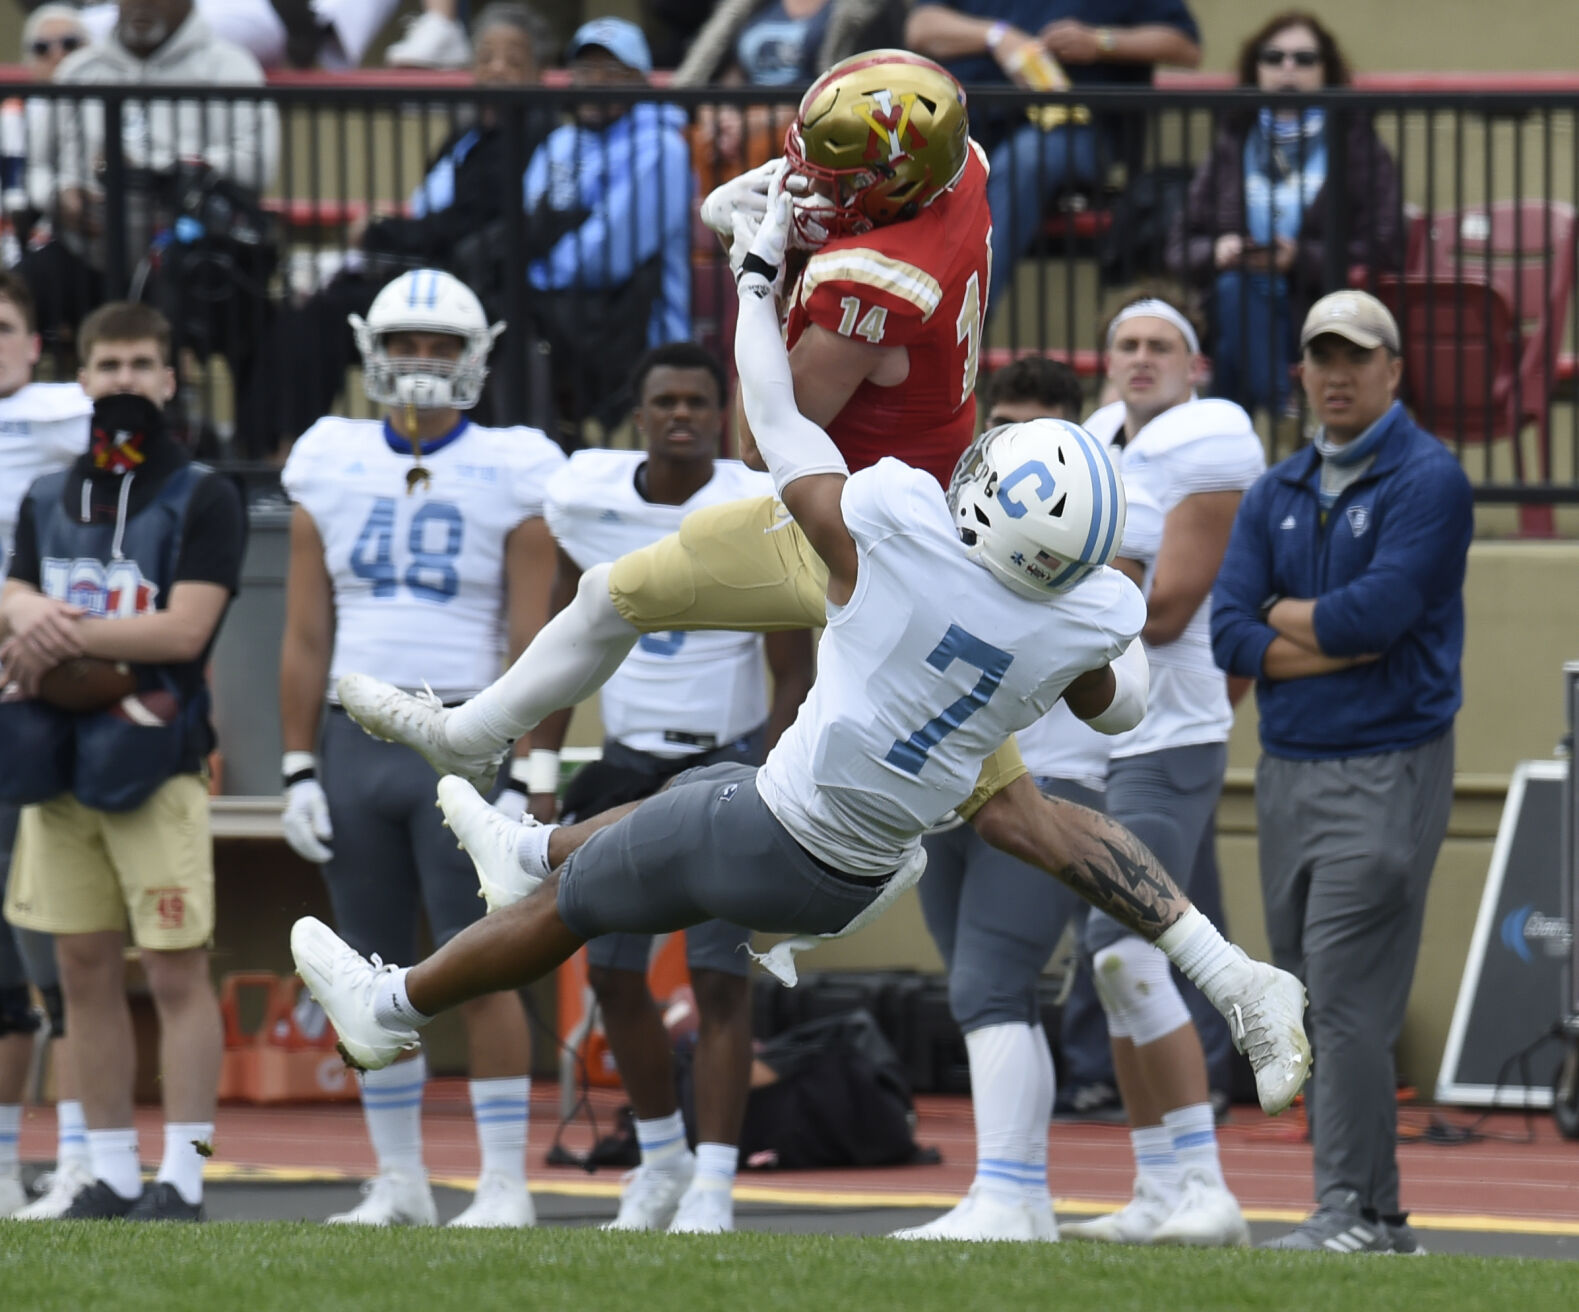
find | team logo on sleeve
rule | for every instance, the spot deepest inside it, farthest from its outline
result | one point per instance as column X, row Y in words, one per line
column 893, row 134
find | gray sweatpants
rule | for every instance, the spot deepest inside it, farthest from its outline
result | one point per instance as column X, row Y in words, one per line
column 1347, row 850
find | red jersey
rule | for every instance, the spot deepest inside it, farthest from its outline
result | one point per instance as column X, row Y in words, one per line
column 920, row 284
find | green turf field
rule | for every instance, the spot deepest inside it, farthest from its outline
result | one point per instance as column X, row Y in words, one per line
column 293, row 1267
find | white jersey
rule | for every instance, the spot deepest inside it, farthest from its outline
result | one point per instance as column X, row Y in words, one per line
column 922, row 675
column 678, row 693
column 419, row 585
column 1199, row 446
column 43, row 427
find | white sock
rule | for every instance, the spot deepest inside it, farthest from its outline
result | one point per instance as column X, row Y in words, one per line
column 716, row 1164
column 113, row 1154
column 183, row 1164
column 1194, row 1133
column 392, row 1007
column 570, row 658
column 531, row 850
column 392, row 1105
column 1005, row 1098
column 662, row 1141
column 1216, row 966
column 71, row 1132
column 1154, row 1157
column 500, row 1108
column 1041, row 1117
column 10, row 1137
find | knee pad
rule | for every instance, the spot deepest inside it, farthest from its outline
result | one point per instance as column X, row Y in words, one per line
column 55, row 1010
column 17, row 1015
column 1138, row 993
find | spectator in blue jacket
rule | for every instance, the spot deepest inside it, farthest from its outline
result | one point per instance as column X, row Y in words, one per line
column 608, row 201
column 1341, row 595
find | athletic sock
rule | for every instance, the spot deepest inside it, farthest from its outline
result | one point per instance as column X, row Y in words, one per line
column 392, row 1005
column 1155, row 1159
column 1194, row 1133
column 183, row 1163
column 1205, row 957
column 531, row 850
column 1004, row 1095
column 569, row 659
column 716, row 1164
column 392, row 1105
column 662, row 1141
column 500, row 1108
column 71, row 1133
column 113, row 1154
column 1039, row 1119
column 10, row 1136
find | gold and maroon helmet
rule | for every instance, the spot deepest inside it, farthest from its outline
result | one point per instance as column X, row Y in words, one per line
column 879, row 136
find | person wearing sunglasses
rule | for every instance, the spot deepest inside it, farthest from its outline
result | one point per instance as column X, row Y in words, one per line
column 1252, row 238
column 51, row 32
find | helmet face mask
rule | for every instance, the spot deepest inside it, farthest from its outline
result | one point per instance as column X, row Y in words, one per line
column 878, row 137
column 425, row 301
column 1039, row 505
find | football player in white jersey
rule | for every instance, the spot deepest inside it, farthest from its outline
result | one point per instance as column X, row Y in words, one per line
column 417, row 544
column 680, row 700
column 43, row 427
column 1186, row 463
column 909, row 700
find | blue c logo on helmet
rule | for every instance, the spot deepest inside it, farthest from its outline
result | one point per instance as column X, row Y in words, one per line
column 1046, row 486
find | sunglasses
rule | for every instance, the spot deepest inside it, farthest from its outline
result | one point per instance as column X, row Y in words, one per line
column 64, row 44
column 1271, row 57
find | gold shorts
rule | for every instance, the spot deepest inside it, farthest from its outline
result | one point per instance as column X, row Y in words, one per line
column 147, row 872
column 746, row 565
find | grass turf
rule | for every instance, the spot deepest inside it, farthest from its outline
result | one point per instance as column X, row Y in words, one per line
column 296, row 1267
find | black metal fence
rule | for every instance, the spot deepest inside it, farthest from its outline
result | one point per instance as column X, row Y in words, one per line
column 253, row 219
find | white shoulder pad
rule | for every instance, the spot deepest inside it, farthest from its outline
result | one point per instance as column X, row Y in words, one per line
column 329, row 435
column 44, row 403
column 1107, row 423
column 892, row 497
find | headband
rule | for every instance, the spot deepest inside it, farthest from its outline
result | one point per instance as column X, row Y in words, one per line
column 1151, row 308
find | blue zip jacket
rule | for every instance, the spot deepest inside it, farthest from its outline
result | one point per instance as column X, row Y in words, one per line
column 633, row 179
column 1386, row 566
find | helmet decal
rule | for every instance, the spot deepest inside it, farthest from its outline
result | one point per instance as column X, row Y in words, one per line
column 894, row 133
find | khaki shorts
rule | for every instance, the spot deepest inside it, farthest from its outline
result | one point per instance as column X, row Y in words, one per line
column 746, row 565
column 148, row 872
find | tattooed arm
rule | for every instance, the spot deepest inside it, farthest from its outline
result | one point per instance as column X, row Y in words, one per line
column 1097, row 857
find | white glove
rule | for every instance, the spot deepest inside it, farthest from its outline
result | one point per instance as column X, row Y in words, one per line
column 306, row 821
column 511, row 804
column 771, row 239
column 746, row 195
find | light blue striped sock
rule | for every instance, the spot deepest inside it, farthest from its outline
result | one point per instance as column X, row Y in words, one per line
column 662, row 1140
column 500, row 1108
column 10, row 1137
column 1154, row 1157
column 1193, row 1130
column 392, row 1105
column 71, row 1132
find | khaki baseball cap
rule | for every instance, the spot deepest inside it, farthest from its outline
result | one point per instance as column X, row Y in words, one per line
column 1358, row 316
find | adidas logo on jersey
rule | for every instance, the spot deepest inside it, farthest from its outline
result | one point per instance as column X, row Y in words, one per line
column 1288, row 523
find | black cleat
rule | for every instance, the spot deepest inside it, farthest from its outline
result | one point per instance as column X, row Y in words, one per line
column 162, row 1201
column 99, row 1202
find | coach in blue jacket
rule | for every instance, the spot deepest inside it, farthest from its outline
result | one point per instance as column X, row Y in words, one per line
column 1341, row 595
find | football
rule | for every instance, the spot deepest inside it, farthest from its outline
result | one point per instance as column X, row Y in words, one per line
column 87, row 684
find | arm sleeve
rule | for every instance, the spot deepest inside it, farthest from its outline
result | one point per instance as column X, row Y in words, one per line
column 1421, row 545
column 215, row 536
column 1244, row 581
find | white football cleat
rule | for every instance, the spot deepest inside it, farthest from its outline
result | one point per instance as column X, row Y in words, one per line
column 1206, row 1216
column 1266, row 1020
column 66, row 1181
column 1134, row 1223
column 652, row 1195
column 707, row 1208
column 343, row 981
column 431, row 41
column 13, row 1197
column 387, row 712
column 500, row 1204
column 490, row 839
column 982, row 1217
column 391, row 1198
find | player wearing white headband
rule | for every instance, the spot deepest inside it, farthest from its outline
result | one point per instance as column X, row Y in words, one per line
column 1185, row 462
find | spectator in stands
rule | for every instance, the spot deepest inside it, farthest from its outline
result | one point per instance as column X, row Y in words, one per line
column 218, row 148
column 609, row 202
column 1341, row 594
column 463, row 192
column 51, row 32
column 1253, row 238
column 1048, row 46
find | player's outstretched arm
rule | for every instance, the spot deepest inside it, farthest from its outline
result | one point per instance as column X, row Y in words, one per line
column 807, row 469
column 1113, row 699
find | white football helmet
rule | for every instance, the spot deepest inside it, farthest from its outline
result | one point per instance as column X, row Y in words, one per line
column 1038, row 504
column 425, row 301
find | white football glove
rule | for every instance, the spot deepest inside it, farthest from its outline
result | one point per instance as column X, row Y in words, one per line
column 511, row 804
column 746, row 195
column 770, row 242
column 306, row 821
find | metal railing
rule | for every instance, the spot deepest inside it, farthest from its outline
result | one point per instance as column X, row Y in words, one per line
column 1473, row 248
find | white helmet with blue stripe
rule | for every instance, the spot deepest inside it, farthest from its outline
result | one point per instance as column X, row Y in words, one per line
column 425, row 301
column 1039, row 504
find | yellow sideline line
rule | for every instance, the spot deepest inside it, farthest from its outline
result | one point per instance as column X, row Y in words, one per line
column 849, row 1198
